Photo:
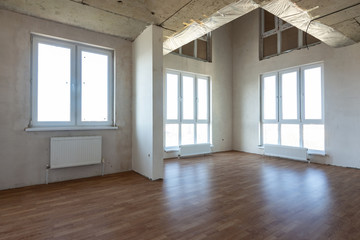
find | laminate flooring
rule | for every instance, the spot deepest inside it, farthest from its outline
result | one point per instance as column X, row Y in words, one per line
column 230, row 195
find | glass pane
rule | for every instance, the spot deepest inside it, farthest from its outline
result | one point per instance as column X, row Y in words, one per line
column 312, row 86
column 202, row 133
column 94, row 87
column 188, row 98
column 188, row 49
column 269, row 99
column 187, row 134
column 171, row 135
column 269, row 21
column 202, row 49
column 270, row 133
column 202, row 99
column 314, row 137
column 270, row 45
column 289, row 91
column 290, row 135
column 54, row 80
column 289, row 39
column 172, row 96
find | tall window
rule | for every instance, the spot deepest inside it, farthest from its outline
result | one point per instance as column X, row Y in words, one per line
column 292, row 108
column 187, row 117
column 72, row 84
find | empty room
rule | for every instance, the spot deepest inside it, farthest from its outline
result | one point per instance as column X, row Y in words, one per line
column 187, row 119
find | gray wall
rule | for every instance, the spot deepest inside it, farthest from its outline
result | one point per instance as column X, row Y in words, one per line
column 24, row 155
column 220, row 72
column 341, row 86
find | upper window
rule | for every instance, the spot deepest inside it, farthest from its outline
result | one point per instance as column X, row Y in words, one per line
column 72, row 84
column 187, row 117
column 199, row 49
column 292, row 108
column 277, row 36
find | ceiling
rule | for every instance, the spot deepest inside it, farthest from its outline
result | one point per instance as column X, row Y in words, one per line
column 337, row 23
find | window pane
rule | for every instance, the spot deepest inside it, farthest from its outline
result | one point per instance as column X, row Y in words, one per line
column 314, row 137
column 269, row 21
column 290, row 135
column 270, row 45
column 289, row 91
column 202, row 99
column 188, row 98
column 94, row 87
column 188, row 49
column 202, row 133
column 269, row 100
column 172, row 135
column 312, row 86
column 289, row 39
column 270, row 133
column 172, row 83
column 54, row 81
column 187, row 134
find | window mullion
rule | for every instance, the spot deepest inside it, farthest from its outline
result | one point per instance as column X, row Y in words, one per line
column 195, row 108
column 76, row 91
column 278, row 105
column 181, row 106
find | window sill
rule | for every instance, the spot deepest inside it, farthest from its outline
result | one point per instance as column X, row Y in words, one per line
column 86, row 128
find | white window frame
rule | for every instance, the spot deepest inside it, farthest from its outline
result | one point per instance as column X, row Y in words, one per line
column 280, row 26
column 75, row 86
column 180, row 119
column 207, row 39
column 301, row 121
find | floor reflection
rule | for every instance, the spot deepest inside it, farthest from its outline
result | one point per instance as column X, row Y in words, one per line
column 287, row 192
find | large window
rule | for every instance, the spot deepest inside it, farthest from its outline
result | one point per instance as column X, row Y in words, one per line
column 72, row 84
column 199, row 49
column 292, row 108
column 278, row 36
column 187, row 111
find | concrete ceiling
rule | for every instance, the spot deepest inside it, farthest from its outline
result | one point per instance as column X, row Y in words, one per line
column 335, row 22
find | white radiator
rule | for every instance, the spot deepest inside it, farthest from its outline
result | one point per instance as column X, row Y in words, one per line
column 295, row 153
column 194, row 149
column 74, row 151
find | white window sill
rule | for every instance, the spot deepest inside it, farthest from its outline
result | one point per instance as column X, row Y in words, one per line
column 86, row 128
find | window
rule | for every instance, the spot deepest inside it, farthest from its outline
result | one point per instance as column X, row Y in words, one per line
column 292, row 108
column 72, row 84
column 199, row 48
column 277, row 36
column 187, row 117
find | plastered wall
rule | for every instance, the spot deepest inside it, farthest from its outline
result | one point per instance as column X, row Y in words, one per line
column 341, row 87
column 220, row 72
column 147, row 98
column 24, row 155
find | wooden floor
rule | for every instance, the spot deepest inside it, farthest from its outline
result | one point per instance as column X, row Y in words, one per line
column 224, row 196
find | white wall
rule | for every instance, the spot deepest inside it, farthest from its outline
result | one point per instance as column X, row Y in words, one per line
column 220, row 72
column 341, row 85
column 24, row 155
column 147, row 130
